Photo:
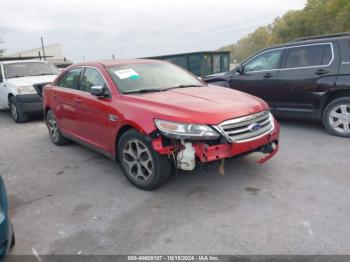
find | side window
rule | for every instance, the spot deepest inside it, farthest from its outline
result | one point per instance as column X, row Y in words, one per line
column 91, row 77
column 265, row 61
column 70, row 79
column 312, row 55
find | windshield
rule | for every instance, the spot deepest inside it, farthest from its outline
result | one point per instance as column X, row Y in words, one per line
column 29, row 69
column 151, row 77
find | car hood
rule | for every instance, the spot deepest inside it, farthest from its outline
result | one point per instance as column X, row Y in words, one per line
column 31, row 80
column 201, row 105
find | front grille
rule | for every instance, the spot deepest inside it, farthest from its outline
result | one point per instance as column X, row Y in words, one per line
column 247, row 127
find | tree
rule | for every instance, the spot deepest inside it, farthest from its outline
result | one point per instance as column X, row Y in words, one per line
column 316, row 18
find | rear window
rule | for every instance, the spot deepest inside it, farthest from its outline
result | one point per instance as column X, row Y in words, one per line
column 70, row 79
column 312, row 55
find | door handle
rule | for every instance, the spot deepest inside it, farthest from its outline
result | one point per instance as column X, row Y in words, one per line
column 321, row 72
column 78, row 100
column 55, row 94
column 268, row 75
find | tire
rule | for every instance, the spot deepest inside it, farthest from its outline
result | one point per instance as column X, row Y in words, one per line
column 142, row 166
column 336, row 117
column 16, row 111
column 13, row 239
column 55, row 134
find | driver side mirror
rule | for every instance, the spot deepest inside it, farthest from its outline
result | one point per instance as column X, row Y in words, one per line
column 239, row 70
column 98, row 91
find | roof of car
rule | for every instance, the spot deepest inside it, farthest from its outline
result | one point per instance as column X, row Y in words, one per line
column 308, row 41
column 117, row 62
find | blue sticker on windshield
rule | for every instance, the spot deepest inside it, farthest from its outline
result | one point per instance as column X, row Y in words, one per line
column 133, row 77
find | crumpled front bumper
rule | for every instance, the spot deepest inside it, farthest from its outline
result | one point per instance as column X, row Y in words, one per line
column 207, row 153
column 267, row 144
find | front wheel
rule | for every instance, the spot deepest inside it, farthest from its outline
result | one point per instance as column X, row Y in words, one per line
column 336, row 117
column 142, row 166
column 16, row 111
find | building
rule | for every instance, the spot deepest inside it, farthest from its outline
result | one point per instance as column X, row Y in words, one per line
column 200, row 63
column 53, row 53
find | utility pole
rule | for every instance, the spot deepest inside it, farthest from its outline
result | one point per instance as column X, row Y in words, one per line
column 42, row 47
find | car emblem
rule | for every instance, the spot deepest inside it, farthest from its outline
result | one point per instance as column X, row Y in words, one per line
column 254, row 127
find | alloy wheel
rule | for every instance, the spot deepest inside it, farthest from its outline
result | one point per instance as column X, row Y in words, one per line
column 53, row 127
column 339, row 118
column 138, row 160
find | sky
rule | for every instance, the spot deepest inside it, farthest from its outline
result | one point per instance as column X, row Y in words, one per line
column 133, row 28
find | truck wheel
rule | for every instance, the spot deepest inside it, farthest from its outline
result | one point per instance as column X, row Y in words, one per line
column 142, row 166
column 16, row 112
column 336, row 117
column 54, row 131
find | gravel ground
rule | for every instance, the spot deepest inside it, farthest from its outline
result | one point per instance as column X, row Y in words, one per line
column 71, row 200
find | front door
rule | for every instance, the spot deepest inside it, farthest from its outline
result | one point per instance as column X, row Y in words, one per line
column 94, row 120
column 258, row 75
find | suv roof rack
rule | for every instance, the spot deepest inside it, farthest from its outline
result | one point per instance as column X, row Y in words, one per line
column 321, row 36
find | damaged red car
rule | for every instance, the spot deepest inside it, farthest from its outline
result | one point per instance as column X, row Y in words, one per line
column 153, row 117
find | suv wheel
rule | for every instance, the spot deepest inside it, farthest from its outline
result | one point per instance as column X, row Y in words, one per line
column 16, row 112
column 336, row 117
column 55, row 133
column 142, row 166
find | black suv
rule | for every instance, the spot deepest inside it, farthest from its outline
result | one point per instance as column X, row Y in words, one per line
column 308, row 78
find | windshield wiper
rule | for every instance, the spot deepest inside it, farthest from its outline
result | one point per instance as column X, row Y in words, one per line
column 146, row 90
column 16, row 76
column 183, row 86
column 44, row 74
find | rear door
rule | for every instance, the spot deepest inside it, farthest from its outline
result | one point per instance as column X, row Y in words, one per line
column 259, row 75
column 65, row 94
column 306, row 72
column 93, row 112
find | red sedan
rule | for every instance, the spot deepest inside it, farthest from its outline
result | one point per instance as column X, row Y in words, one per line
column 154, row 116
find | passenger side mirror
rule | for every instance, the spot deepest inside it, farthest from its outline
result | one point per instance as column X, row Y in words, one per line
column 98, row 91
column 240, row 70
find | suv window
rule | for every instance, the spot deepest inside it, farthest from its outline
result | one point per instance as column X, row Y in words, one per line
column 70, row 79
column 91, row 77
column 265, row 61
column 312, row 55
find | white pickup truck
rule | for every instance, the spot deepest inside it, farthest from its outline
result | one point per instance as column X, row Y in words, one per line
column 18, row 82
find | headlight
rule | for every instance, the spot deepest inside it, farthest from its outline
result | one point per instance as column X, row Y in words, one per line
column 26, row 90
column 186, row 131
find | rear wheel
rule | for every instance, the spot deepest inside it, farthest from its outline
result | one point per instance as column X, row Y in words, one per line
column 16, row 111
column 336, row 117
column 54, row 131
column 142, row 166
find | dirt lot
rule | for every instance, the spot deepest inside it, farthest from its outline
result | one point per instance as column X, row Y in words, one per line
column 71, row 200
